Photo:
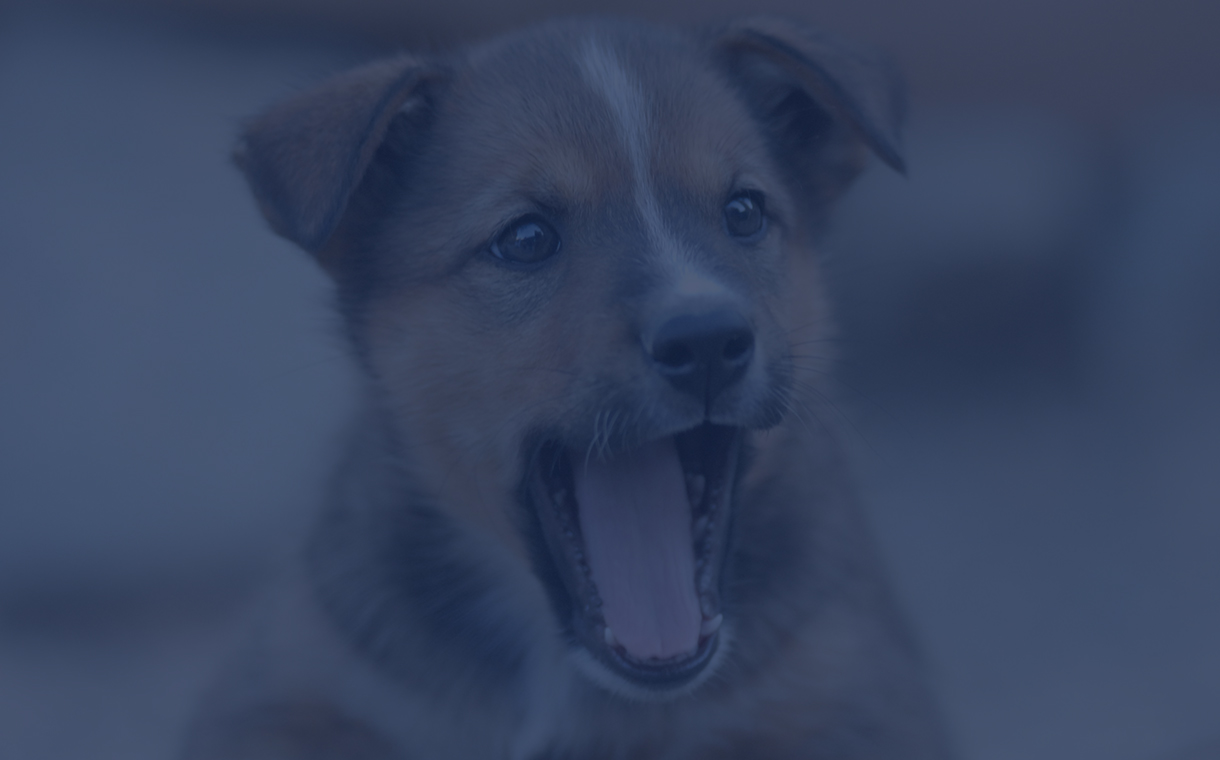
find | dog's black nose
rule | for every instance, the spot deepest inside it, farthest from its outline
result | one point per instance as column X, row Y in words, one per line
column 703, row 353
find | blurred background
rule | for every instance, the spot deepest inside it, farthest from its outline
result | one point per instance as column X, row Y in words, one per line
column 1030, row 353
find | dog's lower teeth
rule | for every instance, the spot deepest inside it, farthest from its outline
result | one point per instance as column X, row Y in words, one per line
column 709, row 626
column 701, row 525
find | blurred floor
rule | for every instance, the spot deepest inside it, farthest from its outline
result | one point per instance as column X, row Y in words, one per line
column 1061, row 567
column 1030, row 333
column 116, row 683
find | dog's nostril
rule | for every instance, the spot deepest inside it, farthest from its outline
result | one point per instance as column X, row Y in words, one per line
column 738, row 348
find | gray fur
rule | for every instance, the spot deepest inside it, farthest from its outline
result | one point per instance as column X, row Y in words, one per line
column 421, row 621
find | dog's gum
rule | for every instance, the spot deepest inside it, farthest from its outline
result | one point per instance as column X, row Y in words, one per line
column 695, row 485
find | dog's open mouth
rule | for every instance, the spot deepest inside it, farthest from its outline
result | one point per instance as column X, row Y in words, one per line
column 638, row 539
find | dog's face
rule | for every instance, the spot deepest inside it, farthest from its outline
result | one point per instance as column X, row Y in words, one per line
column 576, row 266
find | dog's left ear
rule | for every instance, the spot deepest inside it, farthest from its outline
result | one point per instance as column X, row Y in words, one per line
column 824, row 102
column 305, row 158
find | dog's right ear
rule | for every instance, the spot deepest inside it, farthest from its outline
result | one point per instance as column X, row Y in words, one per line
column 825, row 102
column 305, row 157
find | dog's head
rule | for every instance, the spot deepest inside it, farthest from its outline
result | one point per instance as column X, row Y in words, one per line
column 576, row 264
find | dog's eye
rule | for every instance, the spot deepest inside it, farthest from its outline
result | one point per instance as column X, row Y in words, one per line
column 527, row 240
column 743, row 214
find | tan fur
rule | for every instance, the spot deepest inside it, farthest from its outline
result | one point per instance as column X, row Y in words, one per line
column 630, row 138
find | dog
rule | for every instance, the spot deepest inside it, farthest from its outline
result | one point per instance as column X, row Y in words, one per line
column 593, row 506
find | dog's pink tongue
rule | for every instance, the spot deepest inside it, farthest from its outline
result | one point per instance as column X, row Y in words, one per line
column 636, row 522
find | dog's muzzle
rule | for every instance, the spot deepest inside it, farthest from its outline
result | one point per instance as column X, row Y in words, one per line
column 636, row 530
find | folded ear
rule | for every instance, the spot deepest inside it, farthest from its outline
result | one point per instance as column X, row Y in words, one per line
column 305, row 157
column 826, row 103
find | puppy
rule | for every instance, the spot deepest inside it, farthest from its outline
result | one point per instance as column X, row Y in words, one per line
column 593, row 507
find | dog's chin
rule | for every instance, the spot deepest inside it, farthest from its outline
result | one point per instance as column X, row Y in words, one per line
column 637, row 540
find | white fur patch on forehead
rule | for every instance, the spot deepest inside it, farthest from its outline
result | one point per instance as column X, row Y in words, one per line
column 606, row 75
